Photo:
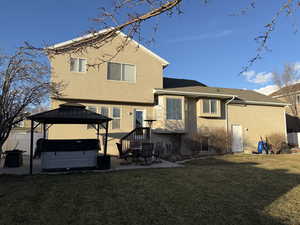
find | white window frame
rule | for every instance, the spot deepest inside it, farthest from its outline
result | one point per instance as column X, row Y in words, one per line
column 77, row 65
column 119, row 118
column 209, row 103
column 108, row 110
column 181, row 110
column 122, row 76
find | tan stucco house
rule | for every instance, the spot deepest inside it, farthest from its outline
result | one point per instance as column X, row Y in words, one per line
column 130, row 88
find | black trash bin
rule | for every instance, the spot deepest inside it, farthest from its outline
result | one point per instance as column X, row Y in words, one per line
column 13, row 158
column 103, row 162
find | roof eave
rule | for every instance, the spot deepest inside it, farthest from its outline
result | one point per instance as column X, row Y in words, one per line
column 260, row 103
column 188, row 93
column 164, row 62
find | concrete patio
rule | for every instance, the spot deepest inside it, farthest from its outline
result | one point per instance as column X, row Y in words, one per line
column 116, row 165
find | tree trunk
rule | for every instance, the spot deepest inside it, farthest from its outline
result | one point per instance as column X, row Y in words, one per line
column 1, row 150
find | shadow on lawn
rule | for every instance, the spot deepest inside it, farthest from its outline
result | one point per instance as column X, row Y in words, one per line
column 208, row 191
column 248, row 192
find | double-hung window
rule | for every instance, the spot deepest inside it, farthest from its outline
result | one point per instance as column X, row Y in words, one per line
column 78, row 65
column 210, row 106
column 93, row 109
column 174, row 109
column 116, row 115
column 104, row 111
column 121, row 72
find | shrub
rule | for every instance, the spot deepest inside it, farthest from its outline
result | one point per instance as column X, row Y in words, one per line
column 216, row 139
column 277, row 142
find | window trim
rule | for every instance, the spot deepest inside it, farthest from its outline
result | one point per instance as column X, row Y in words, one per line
column 126, row 81
column 182, row 108
column 112, row 116
column 103, row 106
column 210, row 112
column 200, row 108
column 78, row 59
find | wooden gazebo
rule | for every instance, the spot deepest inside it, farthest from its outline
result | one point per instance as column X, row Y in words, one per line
column 68, row 113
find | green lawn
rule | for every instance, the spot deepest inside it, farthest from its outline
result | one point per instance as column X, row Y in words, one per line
column 222, row 190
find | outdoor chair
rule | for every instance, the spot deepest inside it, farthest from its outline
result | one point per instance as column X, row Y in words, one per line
column 156, row 154
column 135, row 149
column 147, row 152
column 122, row 155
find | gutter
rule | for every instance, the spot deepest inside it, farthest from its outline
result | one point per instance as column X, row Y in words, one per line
column 155, row 91
column 262, row 103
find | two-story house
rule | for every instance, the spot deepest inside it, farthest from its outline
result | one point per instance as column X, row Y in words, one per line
column 130, row 88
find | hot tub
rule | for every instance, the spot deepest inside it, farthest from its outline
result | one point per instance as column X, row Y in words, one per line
column 69, row 154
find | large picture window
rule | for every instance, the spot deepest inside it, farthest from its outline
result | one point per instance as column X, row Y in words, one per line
column 210, row 106
column 78, row 65
column 174, row 109
column 121, row 72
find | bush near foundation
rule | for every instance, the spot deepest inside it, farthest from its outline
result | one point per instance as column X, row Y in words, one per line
column 214, row 139
column 278, row 143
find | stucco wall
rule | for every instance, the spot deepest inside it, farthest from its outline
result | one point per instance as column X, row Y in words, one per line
column 94, row 84
column 256, row 121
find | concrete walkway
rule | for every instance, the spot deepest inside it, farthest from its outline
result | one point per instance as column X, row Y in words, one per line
column 116, row 165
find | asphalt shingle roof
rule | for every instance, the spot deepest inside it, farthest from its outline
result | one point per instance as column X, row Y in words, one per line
column 175, row 83
column 285, row 90
column 243, row 95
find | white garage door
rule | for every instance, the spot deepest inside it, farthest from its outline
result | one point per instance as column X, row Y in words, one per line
column 237, row 138
column 21, row 141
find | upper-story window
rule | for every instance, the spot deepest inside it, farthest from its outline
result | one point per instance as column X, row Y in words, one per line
column 121, row 72
column 174, row 109
column 78, row 65
column 210, row 106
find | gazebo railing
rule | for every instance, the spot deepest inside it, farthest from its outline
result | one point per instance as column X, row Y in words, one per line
column 137, row 135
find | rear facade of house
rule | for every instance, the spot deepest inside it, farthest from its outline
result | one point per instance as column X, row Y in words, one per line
column 130, row 88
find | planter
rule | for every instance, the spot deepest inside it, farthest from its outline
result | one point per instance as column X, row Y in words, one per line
column 103, row 162
column 13, row 158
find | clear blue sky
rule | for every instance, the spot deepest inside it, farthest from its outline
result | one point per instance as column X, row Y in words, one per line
column 204, row 43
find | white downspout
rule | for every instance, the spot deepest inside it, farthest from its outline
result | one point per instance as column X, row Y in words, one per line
column 226, row 111
column 226, row 116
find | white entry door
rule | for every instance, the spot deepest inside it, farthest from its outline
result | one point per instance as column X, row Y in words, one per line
column 237, row 138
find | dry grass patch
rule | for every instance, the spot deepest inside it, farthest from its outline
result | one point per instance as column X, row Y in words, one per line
column 218, row 190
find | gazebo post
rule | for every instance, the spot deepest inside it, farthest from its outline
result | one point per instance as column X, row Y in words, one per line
column 31, row 146
column 44, row 130
column 106, row 134
column 98, row 128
